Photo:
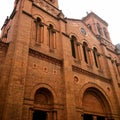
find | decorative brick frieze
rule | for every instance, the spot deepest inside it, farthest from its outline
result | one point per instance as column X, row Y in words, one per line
column 47, row 7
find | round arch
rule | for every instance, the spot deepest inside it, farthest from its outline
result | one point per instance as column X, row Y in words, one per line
column 95, row 101
column 43, row 86
column 51, row 23
column 44, row 98
column 73, row 34
column 35, row 16
column 86, row 41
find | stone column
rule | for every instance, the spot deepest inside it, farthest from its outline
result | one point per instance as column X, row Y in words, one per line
column 30, row 114
column 90, row 58
column 78, row 51
column 94, row 117
column 54, row 115
column 54, row 40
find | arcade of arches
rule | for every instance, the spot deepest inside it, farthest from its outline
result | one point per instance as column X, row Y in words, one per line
column 95, row 106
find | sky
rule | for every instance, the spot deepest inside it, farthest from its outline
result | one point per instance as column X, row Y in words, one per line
column 108, row 10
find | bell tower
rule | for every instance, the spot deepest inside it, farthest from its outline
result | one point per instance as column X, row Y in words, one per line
column 97, row 25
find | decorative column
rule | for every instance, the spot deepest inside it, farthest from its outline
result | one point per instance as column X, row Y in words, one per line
column 41, row 33
column 79, row 51
column 53, row 39
column 31, row 111
column 54, row 115
column 94, row 117
column 90, row 57
column 99, row 61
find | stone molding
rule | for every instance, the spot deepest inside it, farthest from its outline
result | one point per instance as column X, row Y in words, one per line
column 45, row 57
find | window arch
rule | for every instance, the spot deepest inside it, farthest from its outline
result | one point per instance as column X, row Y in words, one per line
column 43, row 96
column 96, row 59
column 39, row 31
column 51, row 37
column 73, row 46
column 99, row 29
column 85, row 51
column 105, row 33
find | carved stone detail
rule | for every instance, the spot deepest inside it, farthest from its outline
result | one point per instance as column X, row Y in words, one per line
column 47, row 7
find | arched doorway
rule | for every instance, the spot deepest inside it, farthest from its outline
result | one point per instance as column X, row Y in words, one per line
column 95, row 105
column 43, row 105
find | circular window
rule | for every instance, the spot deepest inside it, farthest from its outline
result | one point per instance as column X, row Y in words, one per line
column 83, row 31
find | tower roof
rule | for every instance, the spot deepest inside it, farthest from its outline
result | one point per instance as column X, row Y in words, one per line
column 95, row 16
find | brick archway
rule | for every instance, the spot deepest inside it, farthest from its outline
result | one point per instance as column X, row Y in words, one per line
column 46, row 86
column 44, row 104
column 44, row 99
column 95, row 104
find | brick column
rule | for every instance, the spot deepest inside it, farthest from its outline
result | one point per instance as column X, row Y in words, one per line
column 79, row 51
column 13, row 109
column 70, row 106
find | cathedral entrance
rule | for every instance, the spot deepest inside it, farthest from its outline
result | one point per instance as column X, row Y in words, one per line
column 43, row 105
column 39, row 115
column 96, row 106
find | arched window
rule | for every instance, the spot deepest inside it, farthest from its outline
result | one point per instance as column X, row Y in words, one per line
column 96, row 59
column 73, row 46
column 52, row 37
column 89, row 26
column 85, row 51
column 39, row 31
column 99, row 29
column 106, row 33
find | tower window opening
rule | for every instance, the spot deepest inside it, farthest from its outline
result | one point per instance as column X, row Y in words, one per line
column 73, row 39
column 39, row 36
column 51, row 37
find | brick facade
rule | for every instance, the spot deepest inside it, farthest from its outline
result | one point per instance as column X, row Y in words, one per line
column 56, row 68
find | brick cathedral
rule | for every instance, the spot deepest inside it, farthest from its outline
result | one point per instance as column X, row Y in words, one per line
column 57, row 68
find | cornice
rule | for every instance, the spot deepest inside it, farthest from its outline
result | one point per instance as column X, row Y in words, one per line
column 93, row 75
column 55, row 15
column 44, row 57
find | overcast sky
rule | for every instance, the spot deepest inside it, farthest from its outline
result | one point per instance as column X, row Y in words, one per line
column 106, row 9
